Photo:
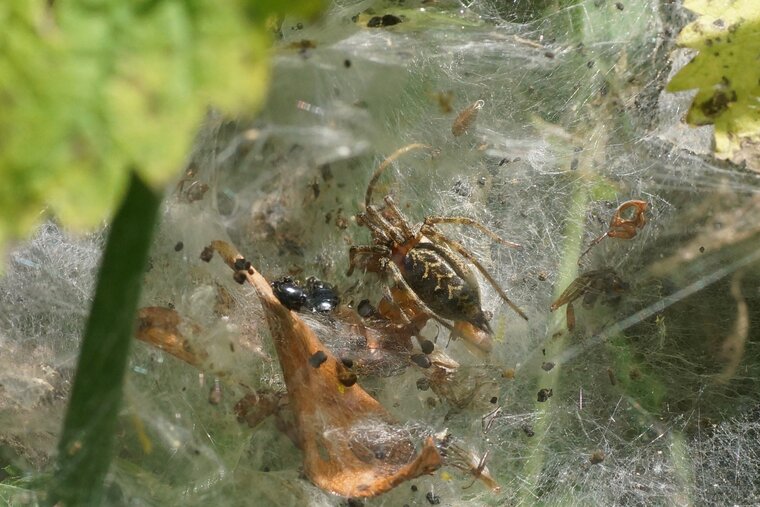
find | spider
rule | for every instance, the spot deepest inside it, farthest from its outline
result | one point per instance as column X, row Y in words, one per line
column 428, row 267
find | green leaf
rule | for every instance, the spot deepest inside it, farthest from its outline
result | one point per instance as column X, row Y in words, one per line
column 90, row 89
column 86, row 445
column 726, row 73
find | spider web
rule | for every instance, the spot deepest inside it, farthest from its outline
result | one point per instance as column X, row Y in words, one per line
column 658, row 388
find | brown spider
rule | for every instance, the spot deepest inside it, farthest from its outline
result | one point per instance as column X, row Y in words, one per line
column 430, row 268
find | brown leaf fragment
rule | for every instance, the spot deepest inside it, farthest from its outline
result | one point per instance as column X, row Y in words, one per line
column 627, row 220
column 341, row 454
column 159, row 326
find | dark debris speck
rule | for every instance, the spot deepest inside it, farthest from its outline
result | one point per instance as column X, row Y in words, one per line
column 347, row 378
column 421, row 360
column 387, row 20
column 544, row 395
column 432, row 498
column 365, row 308
column 317, row 358
column 390, row 20
column 207, row 254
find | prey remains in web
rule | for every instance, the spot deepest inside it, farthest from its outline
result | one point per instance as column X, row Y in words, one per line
column 430, row 271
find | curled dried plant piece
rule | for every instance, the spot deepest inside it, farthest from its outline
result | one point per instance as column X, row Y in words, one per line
column 590, row 285
column 626, row 221
column 340, row 454
column 159, row 326
column 467, row 461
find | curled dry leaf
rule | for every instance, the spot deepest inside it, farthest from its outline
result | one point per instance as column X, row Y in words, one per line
column 352, row 446
column 626, row 221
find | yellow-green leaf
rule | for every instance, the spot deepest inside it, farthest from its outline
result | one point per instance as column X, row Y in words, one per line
column 93, row 89
column 726, row 72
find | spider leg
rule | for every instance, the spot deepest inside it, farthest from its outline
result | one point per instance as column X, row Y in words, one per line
column 398, row 217
column 378, row 252
column 431, row 232
column 474, row 223
column 384, row 165
column 379, row 231
column 375, row 220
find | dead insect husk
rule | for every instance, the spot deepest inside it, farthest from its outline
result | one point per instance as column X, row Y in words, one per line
column 466, row 118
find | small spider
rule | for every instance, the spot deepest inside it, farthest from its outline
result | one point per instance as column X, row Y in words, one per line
column 429, row 268
column 590, row 285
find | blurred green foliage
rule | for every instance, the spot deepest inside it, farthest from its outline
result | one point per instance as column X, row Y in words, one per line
column 93, row 89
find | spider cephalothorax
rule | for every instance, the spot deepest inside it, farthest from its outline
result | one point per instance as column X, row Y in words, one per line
column 431, row 268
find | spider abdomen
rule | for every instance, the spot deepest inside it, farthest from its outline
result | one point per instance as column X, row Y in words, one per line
column 445, row 285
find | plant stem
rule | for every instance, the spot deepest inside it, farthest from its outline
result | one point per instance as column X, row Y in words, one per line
column 86, row 446
column 568, row 271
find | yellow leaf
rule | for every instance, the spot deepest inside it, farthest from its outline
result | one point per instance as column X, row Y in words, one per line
column 726, row 72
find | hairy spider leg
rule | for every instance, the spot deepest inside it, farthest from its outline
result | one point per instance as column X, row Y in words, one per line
column 473, row 223
column 398, row 217
column 364, row 219
column 374, row 218
column 431, row 232
column 385, row 164
column 377, row 251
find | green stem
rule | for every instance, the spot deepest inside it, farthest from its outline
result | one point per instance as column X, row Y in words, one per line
column 568, row 271
column 86, row 446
